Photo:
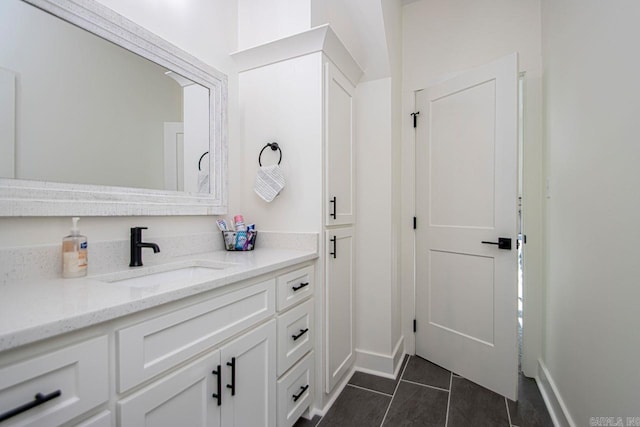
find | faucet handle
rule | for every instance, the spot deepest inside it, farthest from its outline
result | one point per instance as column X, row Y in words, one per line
column 139, row 228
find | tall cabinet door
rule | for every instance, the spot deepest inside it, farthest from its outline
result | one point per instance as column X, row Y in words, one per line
column 249, row 378
column 340, row 149
column 183, row 398
column 340, row 348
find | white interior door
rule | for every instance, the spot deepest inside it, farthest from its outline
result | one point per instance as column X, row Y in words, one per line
column 466, row 194
column 174, row 156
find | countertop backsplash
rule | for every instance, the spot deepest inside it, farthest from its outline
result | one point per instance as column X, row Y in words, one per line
column 45, row 262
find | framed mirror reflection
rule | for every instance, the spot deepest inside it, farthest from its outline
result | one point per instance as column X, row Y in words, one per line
column 101, row 117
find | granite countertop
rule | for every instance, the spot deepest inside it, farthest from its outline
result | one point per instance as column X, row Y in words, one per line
column 35, row 310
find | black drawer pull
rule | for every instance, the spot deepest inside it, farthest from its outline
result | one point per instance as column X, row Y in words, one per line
column 218, row 396
column 39, row 399
column 297, row 396
column 232, row 386
column 302, row 332
column 334, row 241
column 333, row 214
column 302, row 285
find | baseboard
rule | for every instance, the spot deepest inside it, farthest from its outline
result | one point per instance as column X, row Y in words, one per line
column 334, row 395
column 557, row 409
column 382, row 365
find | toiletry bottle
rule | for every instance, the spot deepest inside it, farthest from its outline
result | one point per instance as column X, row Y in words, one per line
column 74, row 253
column 241, row 232
column 239, row 223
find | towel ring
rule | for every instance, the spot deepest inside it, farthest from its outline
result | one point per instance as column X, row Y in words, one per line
column 200, row 161
column 274, row 146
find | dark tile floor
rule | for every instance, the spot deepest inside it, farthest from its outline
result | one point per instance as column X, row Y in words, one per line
column 428, row 395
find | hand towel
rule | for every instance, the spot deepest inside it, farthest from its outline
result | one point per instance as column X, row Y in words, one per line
column 269, row 182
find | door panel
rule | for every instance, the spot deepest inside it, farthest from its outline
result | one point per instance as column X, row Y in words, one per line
column 339, row 134
column 472, row 313
column 254, row 355
column 339, row 316
column 182, row 398
column 462, row 157
column 466, row 182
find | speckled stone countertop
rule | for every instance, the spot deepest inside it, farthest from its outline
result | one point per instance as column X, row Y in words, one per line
column 35, row 310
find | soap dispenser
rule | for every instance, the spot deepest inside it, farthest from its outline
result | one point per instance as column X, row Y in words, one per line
column 74, row 253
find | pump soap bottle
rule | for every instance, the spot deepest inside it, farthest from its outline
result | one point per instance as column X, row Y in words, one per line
column 74, row 253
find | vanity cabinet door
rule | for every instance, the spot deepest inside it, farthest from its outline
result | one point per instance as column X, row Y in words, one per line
column 249, row 379
column 340, row 148
column 183, row 398
column 340, row 349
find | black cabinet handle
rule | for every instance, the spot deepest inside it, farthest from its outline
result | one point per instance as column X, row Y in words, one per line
column 297, row 396
column 502, row 243
column 335, row 252
column 300, row 286
column 39, row 399
column 333, row 214
column 302, row 332
column 232, row 386
column 218, row 396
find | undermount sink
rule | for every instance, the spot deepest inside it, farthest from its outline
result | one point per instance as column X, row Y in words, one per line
column 171, row 274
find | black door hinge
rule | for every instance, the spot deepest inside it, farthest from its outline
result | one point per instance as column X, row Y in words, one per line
column 521, row 238
column 415, row 223
column 415, row 326
column 415, row 118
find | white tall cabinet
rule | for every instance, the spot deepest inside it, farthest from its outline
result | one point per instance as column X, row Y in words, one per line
column 299, row 92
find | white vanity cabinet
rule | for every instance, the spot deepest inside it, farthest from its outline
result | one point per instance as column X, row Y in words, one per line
column 232, row 386
column 222, row 357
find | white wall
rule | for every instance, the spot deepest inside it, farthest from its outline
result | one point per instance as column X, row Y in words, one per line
column 392, row 15
column 378, row 124
column 373, row 226
column 360, row 26
column 445, row 37
column 283, row 103
column 207, row 30
column 592, row 346
column 262, row 21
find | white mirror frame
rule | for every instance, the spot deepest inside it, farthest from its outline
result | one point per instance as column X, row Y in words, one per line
column 38, row 198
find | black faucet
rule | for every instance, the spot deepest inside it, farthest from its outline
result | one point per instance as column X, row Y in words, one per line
column 136, row 246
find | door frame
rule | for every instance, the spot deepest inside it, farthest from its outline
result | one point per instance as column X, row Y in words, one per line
column 532, row 176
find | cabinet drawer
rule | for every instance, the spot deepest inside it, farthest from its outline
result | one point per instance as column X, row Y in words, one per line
column 153, row 346
column 78, row 372
column 295, row 392
column 295, row 335
column 294, row 287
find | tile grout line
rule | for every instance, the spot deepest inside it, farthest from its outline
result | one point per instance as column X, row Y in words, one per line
column 369, row 389
column 508, row 413
column 446, row 420
column 395, row 390
column 426, row 385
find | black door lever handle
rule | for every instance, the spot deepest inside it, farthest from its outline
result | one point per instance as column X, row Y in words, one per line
column 502, row 243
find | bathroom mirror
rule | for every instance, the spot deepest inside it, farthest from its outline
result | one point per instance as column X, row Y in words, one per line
column 98, row 116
